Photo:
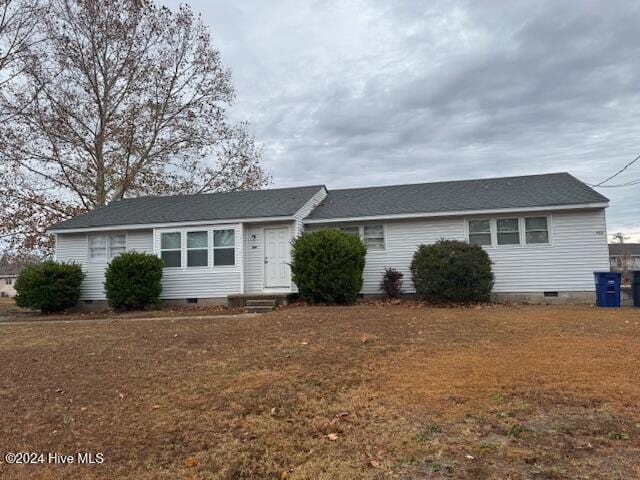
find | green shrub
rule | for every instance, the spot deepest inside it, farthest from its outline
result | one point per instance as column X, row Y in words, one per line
column 49, row 286
column 452, row 271
column 133, row 281
column 327, row 266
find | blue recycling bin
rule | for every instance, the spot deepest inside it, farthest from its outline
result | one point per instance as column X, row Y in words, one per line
column 608, row 288
column 635, row 287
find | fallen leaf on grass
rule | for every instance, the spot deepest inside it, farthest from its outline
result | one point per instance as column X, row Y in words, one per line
column 190, row 462
column 374, row 463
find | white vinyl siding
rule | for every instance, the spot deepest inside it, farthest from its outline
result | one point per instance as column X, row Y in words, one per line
column 308, row 207
column 577, row 248
column 74, row 248
column 254, row 254
column 211, row 281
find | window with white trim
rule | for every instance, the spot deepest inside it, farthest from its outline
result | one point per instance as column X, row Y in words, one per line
column 117, row 244
column 104, row 247
column 171, row 248
column 480, row 232
column 508, row 231
column 373, row 237
column 198, row 249
column 224, row 247
column 536, row 230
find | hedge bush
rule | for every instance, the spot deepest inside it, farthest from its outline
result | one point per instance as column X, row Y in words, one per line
column 452, row 271
column 327, row 266
column 49, row 286
column 133, row 281
column 391, row 283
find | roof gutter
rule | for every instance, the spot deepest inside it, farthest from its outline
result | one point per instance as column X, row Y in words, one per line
column 145, row 226
column 403, row 216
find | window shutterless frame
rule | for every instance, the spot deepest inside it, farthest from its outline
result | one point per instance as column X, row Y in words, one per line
column 192, row 251
column 197, row 248
column 498, row 226
column 374, row 235
column 103, row 247
column 171, row 249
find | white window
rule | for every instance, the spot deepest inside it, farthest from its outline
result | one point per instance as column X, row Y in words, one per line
column 97, row 247
column 508, row 231
column 104, row 247
column 171, row 249
column 373, row 237
column 537, row 230
column 480, row 232
column 224, row 251
column 117, row 244
column 198, row 249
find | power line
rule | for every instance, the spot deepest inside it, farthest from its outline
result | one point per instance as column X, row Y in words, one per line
column 627, row 184
column 618, row 173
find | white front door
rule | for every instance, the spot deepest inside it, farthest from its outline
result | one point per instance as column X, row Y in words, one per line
column 276, row 258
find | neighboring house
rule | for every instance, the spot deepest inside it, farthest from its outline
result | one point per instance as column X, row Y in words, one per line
column 546, row 234
column 8, row 276
column 624, row 256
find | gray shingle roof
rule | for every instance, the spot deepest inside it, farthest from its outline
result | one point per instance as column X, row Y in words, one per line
column 624, row 249
column 203, row 207
column 486, row 194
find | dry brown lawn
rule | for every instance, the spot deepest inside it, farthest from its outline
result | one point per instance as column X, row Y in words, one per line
column 369, row 391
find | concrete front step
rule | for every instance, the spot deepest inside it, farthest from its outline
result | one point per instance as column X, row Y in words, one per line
column 259, row 302
column 258, row 309
column 241, row 300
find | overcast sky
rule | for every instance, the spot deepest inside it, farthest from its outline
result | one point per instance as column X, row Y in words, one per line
column 357, row 93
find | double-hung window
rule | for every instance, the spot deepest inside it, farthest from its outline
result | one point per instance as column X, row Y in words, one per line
column 373, row 237
column 224, row 252
column 117, row 244
column 198, row 249
column 103, row 247
column 508, row 231
column 536, row 230
column 171, row 249
column 97, row 247
column 480, row 232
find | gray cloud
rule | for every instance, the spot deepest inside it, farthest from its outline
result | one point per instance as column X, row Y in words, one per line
column 361, row 92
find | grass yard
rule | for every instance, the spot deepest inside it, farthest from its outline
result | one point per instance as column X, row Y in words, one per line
column 376, row 392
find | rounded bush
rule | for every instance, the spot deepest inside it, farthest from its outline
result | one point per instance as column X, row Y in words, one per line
column 452, row 271
column 327, row 266
column 133, row 281
column 49, row 286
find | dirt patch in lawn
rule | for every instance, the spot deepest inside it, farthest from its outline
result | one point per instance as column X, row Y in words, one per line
column 360, row 392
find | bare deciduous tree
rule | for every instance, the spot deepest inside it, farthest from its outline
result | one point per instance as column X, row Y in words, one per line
column 123, row 99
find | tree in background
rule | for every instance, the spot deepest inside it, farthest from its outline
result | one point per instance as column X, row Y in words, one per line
column 114, row 99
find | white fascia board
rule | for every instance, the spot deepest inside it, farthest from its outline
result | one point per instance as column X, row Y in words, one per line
column 149, row 226
column 496, row 211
